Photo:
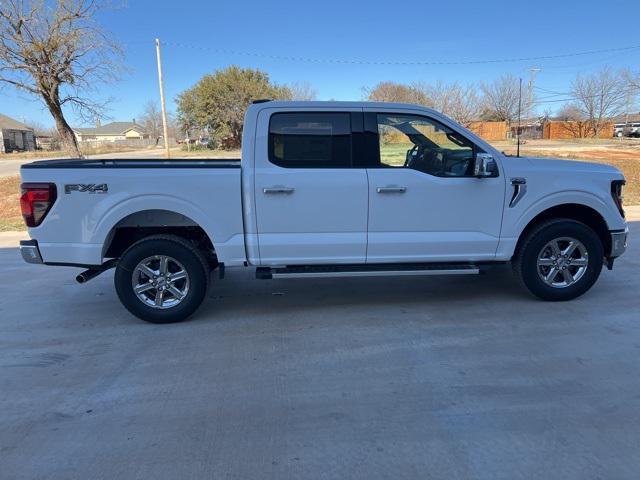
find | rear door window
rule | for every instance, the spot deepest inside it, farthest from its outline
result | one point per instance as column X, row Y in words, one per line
column 310, row 140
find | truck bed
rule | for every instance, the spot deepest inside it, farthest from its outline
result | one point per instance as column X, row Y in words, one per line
column 96, row 196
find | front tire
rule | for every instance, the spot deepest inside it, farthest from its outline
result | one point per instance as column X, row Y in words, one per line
column 162, row 279
column 559, row 260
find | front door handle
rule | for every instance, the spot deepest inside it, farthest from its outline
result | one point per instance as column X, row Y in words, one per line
column 270, row 190
column 391, row 189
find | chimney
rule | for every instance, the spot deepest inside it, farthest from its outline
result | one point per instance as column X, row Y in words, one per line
column 97, row 122
column 134, row 120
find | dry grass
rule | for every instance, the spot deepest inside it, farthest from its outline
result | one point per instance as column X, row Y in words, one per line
column 40, row 154
column 32, row 155
column 104, row 149
column 10, row 216
column 182, row 152
column 623, row 157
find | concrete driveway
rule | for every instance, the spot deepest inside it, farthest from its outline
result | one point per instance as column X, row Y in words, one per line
column 451, row 378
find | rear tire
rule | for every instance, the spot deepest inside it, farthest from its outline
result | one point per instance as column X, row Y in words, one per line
column 162, row 279
column 559, row 260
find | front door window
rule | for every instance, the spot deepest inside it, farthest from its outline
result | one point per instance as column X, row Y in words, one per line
column 416, row 142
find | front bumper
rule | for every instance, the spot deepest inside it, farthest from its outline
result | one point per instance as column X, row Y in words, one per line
column 30, row 251
column 618, row 242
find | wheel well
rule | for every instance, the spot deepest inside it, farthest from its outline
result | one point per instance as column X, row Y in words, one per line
column 142, row 224
column 573, row 211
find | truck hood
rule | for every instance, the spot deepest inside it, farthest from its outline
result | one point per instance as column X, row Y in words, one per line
column 571, row 166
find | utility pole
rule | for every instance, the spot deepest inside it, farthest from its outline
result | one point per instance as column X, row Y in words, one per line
column 165, row 130
column 532, row 79
column 626, row 115
column 519, row 119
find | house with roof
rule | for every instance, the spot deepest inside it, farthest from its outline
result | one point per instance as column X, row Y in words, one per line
column 15, row 136
column 111, row 132
column 626, row 118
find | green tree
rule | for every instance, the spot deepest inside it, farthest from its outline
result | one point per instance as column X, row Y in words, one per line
column 398, row 92
column 218, row 101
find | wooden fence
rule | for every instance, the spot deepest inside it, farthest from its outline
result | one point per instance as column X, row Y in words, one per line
column 551, row 130
column 557, row 130
column 490, row 131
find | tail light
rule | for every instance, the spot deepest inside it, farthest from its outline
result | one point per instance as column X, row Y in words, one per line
column 36, row 201
column 617, row 192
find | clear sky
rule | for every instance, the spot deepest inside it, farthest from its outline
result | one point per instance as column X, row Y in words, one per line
column 391, row 31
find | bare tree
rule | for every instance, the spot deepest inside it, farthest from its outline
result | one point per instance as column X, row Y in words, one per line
column 633, row 80
column 501, row 98
column 37, row 127
column 151, row 120
column 42, row 131
column 302, row 91
column 397, row 92
column 569, row 112
column 599, row 97
column 457, row 101
column 56, row 52
column 632, row 100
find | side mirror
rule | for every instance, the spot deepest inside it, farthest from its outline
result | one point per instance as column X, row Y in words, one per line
column 484, row 166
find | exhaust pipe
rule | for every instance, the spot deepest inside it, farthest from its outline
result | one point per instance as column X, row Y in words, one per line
column 87, row 275
column 91, row 273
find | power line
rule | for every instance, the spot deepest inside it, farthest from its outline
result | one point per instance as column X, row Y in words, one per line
column 538, row 99
column 393, row 62
column 572, row 66
column 554, row 92
column 626, row 91
column 568, row 96
column 560, row 100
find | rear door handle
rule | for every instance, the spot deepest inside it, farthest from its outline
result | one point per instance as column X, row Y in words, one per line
column 271, row 190
column 391, row 189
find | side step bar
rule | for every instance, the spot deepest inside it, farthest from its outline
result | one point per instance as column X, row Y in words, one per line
column 377, row 270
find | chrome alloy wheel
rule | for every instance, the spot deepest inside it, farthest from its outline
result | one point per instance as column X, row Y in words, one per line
column 160, row 281
column 562, row 262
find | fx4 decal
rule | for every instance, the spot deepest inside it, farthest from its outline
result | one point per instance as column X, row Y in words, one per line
column 86, row 188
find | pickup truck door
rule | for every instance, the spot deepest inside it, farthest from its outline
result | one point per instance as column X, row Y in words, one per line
column 310, row 203
column 424, row 205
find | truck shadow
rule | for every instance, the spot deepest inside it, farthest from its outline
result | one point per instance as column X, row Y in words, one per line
column 495, row 292
column 241, row 290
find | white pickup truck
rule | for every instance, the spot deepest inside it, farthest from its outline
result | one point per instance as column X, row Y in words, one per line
column 325, row 189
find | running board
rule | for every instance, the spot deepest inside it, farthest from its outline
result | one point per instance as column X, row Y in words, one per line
column 377, row 270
